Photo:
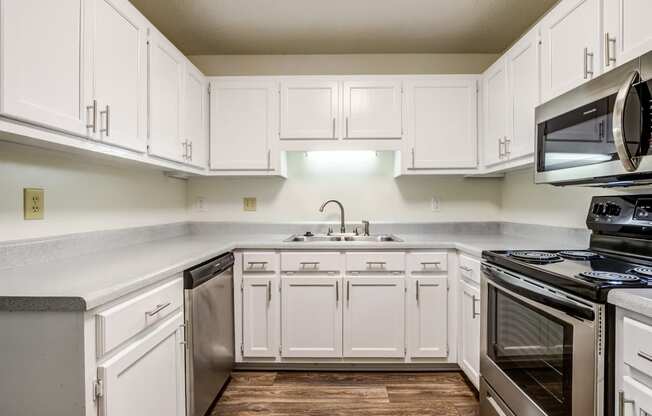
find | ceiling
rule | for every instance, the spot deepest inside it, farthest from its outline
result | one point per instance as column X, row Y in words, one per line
column 342, row 26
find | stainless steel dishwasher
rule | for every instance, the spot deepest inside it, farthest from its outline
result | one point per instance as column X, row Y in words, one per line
column 208, row 306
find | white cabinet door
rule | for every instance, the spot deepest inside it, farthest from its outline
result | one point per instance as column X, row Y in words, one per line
column 523, row 94
column 311, row 316
column 166, row 70
column 244, row 121
column 372, row 109
column 309, row 109
column 470, row 332
column 627, row 26
column 42, row 66
column 637, row 397
column 495, row 112
column 441, row 123
column 117, row 45
column 570, row 46
column 374, row 317
column 195, row 122
column 428, row 317
column 147, row 376
column 260, row 320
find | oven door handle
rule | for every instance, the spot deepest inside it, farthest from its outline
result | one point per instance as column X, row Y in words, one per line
column 537, row 294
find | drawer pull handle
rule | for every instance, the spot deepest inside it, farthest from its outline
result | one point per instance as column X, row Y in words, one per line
column 379, row 264
column 466, row 268
column 430, row 265
column 645, row 356
column 158, row 309
column 257, row 264
column 309, row 265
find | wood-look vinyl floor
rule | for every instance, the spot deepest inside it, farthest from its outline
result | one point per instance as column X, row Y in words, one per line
column 347, row 393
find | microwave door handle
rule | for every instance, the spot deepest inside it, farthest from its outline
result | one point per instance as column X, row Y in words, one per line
column 537, row 294
column 629, row 163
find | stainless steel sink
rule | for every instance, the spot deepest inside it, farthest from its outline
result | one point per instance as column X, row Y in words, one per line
column 321, row 238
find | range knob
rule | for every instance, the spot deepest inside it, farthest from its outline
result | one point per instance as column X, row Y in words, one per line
column 599, row 209
column 612, row 210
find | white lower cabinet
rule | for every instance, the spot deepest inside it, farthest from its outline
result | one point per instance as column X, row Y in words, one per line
column 469, row 331
column 427, row 317
column 260, row 320
column 146, row 377
column 374, row 316
column 311, row 316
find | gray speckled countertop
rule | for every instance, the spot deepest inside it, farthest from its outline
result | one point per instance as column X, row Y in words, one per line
column 87, row 281
column 636, row 300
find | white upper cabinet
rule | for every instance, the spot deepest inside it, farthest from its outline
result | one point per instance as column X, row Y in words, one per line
column 117, row 62
column 523, row 97
column 311, row 316
column 41, row 75
column 372, row 109
column 195, row 122
column 244, row 124
column 627, row 30
column 495, row 112
column 166, row 71
column 309, row 109
column 570, row 46
column 441, row 123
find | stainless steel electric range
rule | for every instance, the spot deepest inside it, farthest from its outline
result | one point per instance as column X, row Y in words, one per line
column 547, row 330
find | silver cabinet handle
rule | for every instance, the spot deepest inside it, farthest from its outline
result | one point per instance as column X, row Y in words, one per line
column 466, row 268
column 347, row 127
column 434, row 264
column 314, row 265
column 337, row 291
column 588, row 72
column 333, row 127
column 269, row 291
column 608, row 59
column 644, row 355
column 348, row 290
column 629, row 163
column 190, row 148
column 158, row 309
column 185, row 149
column 508, row 142
column 372, row 264
column 413, row 166
column 417, row 291
column 622, row 402
column 93, row 124
column 262, row 264
column 475, row 314
column 107, row 114
column 269, row 159
column 501, row 147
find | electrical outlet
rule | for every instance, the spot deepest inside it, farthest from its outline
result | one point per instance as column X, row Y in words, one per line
column 249, row 203
column 33, row 203
column 435, row 204
column 200, row 204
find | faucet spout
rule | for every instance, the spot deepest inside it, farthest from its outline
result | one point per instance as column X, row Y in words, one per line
column 321, row 209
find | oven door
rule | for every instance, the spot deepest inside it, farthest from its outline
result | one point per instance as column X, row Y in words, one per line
column 538, row 347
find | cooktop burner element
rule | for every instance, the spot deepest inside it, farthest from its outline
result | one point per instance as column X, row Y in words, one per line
column 610, row 276
column 643, row 271
column 578, row 254
column 535, row 256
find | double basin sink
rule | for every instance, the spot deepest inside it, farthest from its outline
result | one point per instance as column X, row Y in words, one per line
column 324, row 238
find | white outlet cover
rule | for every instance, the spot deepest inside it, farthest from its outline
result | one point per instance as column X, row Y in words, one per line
column 200, row 204
column 434, row 203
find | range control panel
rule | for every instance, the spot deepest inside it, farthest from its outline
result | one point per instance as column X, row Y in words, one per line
column 627, row 214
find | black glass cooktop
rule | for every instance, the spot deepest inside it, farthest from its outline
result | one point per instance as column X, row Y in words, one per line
column 584, row 273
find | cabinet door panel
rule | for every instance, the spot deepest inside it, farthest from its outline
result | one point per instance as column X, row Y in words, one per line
column 428, row 317
column 42, row 69
column 309, row 109
column 118, row 69
column 372, row 109
column 566, row 31
column 523, row 97
column 470, row 332
column 260, row 324
column 495, row 112
column 166, row 69
column 635, row 31
column 244, row 118
column 374, row 317
column 147, row 377
column 312, row 317
column 195, row 122
column 441, row 123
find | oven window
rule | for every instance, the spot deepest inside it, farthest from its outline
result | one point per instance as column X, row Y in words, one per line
column 534, row 349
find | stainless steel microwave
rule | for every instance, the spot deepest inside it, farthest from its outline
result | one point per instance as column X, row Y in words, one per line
column 600, row 133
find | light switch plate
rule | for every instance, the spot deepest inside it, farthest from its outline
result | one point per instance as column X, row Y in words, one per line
column 33, row 203
column 249, row 203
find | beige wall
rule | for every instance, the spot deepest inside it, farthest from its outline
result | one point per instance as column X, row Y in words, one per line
column 82, row 195
column 363, row 182
column 343, row 64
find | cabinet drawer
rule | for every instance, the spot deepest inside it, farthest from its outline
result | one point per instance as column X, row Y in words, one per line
column 637, row 345
column 378, row 262
column 124, row 320
column 433, row 262
column 470, row 268
column 316, row 261
column 259, row 262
